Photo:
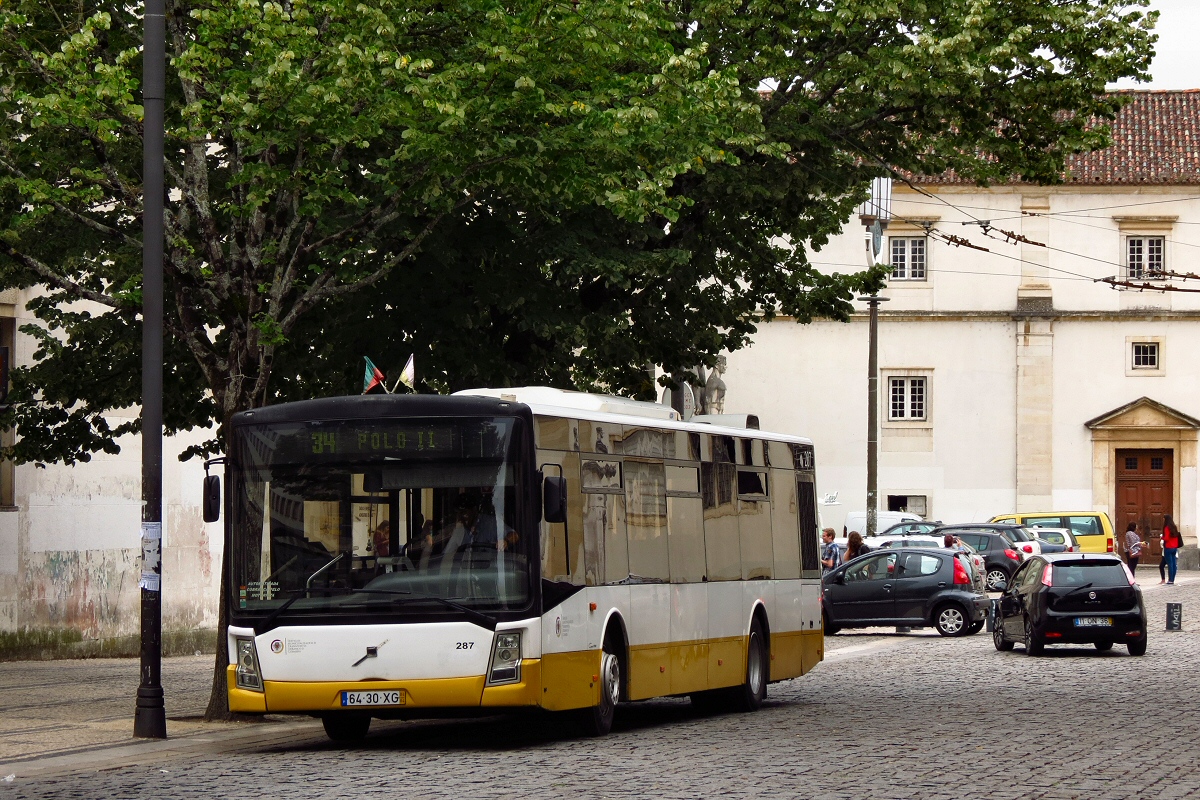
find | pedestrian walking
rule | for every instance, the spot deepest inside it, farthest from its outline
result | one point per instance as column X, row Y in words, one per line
column 1133, row 547
column 855, row 547
column 831, row 554
column 1172, row 541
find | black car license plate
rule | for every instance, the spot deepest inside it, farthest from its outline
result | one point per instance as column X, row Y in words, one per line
column 1093, row 622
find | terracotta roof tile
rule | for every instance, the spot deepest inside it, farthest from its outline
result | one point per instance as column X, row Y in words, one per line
column 1156, row 141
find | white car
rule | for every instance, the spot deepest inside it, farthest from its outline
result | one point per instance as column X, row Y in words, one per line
column 1055, row 540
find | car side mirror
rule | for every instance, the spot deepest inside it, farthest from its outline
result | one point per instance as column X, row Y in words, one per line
column 212, row 498
column 840, row 578
column 1001, row 585
column 554, row 498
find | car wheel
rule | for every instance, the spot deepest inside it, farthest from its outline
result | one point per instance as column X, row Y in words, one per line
column 1002, row 644
column 1102, row 646
column 1033, row 643
column 993, row 578
column 1137, row 647
column 346, row 726
column 598, row 720
column 950, row 620
column 751, row 694
column 974, row 628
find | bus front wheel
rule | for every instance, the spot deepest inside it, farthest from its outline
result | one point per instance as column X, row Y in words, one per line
column 598, row 720
column 751, row 694
column 346, row 726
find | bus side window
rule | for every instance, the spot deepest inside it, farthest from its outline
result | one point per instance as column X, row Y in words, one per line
column 722, row 546
column 646, row 520
column 809, row 558
column 784, row 522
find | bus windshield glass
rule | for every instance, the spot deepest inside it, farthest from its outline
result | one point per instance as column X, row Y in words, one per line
column 376, row 517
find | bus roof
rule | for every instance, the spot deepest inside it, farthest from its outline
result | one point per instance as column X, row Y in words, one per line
column 549, row 402
column 487, row 402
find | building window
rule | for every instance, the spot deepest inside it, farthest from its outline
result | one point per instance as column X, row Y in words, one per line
column 907, row 398
column 1144, row 257
column 1145, row 355
column 908, row 258
column 1156, row 463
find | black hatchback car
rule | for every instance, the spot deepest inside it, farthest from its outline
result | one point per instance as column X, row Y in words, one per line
column 1071, row 598
column 913, row 587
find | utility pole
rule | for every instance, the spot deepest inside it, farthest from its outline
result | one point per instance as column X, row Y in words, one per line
column 150, row 717
column 875, row 214
column 873, row 302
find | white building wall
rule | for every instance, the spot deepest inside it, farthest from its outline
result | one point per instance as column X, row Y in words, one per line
column 962, row 326
column 70, row 546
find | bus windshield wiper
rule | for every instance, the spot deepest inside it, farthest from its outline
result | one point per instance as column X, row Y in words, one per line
column 478, row 617
column 274, row 615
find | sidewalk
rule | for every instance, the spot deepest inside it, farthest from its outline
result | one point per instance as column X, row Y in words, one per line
column 59, row 716
column 70, row 716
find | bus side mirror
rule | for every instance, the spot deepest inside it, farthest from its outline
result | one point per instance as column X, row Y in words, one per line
column 212, row 498
column 554, row 498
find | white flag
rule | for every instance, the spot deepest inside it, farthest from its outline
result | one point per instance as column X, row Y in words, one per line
column 409, row 376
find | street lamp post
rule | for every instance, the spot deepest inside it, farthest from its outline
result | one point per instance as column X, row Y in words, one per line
column 874, row 214
column 150, row 718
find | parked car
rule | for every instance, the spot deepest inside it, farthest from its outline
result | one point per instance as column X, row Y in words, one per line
column 906, row 588
column 1093, row 530
column 1055, row 540
column 1022, row 539
column 1071, row 598
column 910, row 528
column 1000, row 558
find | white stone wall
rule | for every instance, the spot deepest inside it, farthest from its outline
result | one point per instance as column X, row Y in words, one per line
column 70, row 549
column 994, row 442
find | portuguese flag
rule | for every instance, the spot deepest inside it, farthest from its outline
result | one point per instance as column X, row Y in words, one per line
column 372, row 377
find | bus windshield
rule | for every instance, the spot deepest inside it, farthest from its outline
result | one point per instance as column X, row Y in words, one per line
column 377, row 517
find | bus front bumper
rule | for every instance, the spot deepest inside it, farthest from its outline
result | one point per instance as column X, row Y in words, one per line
column 426, row 693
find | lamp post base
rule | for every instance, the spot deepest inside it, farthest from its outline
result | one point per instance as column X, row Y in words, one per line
column 150, row 718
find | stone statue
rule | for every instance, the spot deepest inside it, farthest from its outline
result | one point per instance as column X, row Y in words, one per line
column 714, row 389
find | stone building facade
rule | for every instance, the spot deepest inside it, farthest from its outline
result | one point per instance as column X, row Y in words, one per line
column 1011, row 377
column 70, row 536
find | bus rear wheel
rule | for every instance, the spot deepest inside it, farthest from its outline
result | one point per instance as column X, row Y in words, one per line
column 346, row 726
column 598, row 720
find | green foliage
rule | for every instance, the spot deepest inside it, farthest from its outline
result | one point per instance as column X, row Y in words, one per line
column 551, row 192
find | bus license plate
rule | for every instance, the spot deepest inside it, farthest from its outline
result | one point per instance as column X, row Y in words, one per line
column 1093, row 622
column 385, row 697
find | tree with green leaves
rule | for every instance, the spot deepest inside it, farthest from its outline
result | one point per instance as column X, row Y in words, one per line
column 553, row 192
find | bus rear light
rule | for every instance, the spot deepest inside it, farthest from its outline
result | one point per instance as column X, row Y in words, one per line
column 248, row 675
column 506, row 659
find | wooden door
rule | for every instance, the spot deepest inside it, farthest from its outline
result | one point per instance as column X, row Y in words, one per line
column 1144, row 491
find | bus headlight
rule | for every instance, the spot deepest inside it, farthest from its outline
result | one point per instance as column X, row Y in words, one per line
column 506, row 659
column 248, row 676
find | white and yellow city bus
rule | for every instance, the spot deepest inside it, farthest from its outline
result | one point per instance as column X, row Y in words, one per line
column 406, row 556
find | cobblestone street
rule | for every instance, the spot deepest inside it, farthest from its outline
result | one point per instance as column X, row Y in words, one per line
column 885, row 716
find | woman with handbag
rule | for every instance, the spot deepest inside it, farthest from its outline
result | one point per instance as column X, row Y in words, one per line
column 1133, row 547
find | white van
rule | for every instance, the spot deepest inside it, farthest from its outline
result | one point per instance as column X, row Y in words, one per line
column 857, row 521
